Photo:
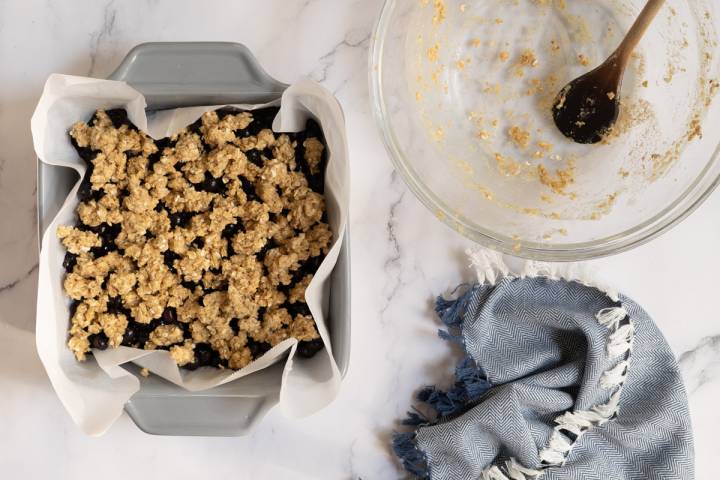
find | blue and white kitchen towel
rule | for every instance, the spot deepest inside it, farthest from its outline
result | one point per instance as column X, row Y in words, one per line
column 562, row 379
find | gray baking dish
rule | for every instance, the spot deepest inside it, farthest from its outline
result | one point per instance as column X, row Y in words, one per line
column 174, row 75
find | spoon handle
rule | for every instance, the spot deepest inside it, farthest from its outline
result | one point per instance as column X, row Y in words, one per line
column 636, row 32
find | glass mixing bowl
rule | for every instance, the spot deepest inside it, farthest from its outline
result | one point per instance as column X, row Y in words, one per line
column 463, row 92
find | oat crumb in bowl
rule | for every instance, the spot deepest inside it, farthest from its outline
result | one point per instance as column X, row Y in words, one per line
column 433, row 53
column 439, row 13
column 519, row 136
column 559, row 182
column 503, row 55
column 145, row 372
column 201, row 244
column 528, row 58
column 545, row 145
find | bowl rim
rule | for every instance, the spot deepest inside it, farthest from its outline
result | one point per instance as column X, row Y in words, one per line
column 687, row 202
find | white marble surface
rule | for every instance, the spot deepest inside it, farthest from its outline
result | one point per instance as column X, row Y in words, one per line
column 402, row 256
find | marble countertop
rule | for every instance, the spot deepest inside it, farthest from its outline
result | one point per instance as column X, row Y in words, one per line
column 401, row 255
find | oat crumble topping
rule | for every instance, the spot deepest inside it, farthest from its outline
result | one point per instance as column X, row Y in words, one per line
column 202, row 244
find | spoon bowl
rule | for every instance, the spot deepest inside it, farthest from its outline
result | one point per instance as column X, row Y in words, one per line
column 586, row 108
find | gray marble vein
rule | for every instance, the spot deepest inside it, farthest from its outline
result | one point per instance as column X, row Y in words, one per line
column 701, row 365
column 98, row 37
column 14, row 283
column 392, row 266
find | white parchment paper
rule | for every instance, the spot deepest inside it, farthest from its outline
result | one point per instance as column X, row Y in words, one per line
column 94, row 393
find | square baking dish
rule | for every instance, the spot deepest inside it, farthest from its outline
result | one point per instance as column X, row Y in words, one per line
column 172, row 75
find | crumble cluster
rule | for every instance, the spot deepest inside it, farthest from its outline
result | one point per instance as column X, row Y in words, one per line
column 201, row 244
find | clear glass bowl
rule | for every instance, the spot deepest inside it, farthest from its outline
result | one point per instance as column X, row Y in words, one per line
column 462, row 92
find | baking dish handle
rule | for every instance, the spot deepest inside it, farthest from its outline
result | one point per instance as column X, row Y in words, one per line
column 183, row 74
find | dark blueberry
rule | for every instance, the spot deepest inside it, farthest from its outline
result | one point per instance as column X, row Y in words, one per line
column 263, row 118
column 198, row 242
column 311, row 265
column 297, row 308
column 94, row 119
column 98, row 341
column 115, row 305
column 224, row 112
column 257, row 349
column 189, row 285
column 203, row 354
column 149, row 235
column 234, row 325
column 85, row 192
column 312, row 129
column 73, row 307
column 233, row 228
column 249, row 190
column 180, row 219
column 279, row 190
column 187, row 334
column 143, row 334
column 268, row 153
column 270, row 244
column 273, row 217
column 215, row 359
column 206, row 146
column 86, row 153
column 230, row 250
column 221, row 287
column 242, row 133
column 216, row 271
column 169, row 258
column 316, row 183
column 124, row 192
column 164, row 143
column 109, row 231
column 130, row 337
column 69, row 262
column 308, row 349
column 255, row 157
column 211, row 184
column 119, row 117
column 160, row 207
column 191, row 366
column 100, row 251
column 168, row 317
column 195, row 127
column 153, row 158
column 132, row 153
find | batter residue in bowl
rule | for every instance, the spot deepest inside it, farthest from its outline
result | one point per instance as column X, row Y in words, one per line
column 486, row 73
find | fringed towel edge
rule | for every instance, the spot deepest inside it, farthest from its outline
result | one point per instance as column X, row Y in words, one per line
column 490, row 268
column 471, row 383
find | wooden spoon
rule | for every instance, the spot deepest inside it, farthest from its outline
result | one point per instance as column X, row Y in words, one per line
column 587, row 107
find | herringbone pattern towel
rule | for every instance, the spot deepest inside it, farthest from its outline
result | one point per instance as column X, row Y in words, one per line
column 562, row 380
